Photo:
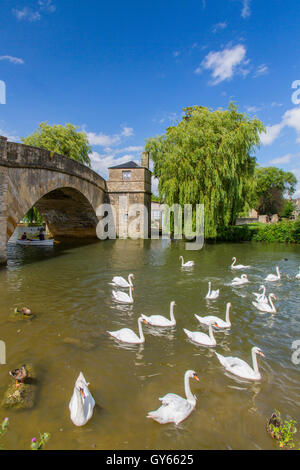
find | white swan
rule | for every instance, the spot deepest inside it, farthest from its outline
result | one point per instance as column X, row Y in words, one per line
column 238, row 281
column 159, row 320
column 212, row 294
column 82, row 403
column 239, row 367
column 121, row 282
column 298, row 275
column 261, row 297
column 188, row 264
column 238, row 266
column 210, row 319
column 264, row 306
column 123, row 297
column 202, row 338
column 174, row 408
column 273, row 277
column 129, row 336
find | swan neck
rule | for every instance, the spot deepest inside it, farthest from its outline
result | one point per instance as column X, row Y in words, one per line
column 129, row 280
column 254, row 361
column 172, row 312
column 234, row 261
column 130, row 292
column 189, row 396
column 209, row 288
column 79, row 408
column 271, row 303
column 141, row 333
column 227, row 313
column 210, row 331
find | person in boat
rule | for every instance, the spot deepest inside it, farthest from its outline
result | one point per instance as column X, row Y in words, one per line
column 24, row 236
column 41, row 234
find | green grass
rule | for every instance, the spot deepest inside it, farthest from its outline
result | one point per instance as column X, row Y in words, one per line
column 281, row 232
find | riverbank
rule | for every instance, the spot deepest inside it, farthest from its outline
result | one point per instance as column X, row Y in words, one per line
column 281, row 232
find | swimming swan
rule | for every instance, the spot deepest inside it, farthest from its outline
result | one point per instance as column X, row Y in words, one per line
column 202, row 338
column 159, row 320
column 264, row 306
column 174, row 408
column 212, row 294
column 261, row 297
column 238, row 266
column 123, row 297
column 238, row 281
column 188, row 264
column 82, row 403
column 273, row 277
column 298, row 275
column 210, row 319
column 240, row 368
column 121, row 282
column 129, row 336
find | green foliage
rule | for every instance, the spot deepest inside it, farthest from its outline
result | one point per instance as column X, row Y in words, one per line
column 32, row 216
column 281, row 430
column 288, row 208
column 38, row 444
column 207, row 159
column 3, row 429
column 65, row 140
column 282, row 232
column 270, row 186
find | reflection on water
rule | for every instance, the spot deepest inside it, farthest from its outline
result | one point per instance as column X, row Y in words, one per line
column 68, row 289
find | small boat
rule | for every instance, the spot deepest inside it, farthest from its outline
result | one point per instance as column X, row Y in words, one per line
column 35, row 242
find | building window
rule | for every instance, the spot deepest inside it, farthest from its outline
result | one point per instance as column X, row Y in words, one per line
column 126, row 175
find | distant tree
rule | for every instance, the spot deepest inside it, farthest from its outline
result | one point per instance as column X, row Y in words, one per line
column 288, row 208
column 207, row 158
column 33, row 216
column 271, row 185
column 65, row 140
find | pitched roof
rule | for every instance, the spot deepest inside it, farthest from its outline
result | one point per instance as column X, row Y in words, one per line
column 126, row 165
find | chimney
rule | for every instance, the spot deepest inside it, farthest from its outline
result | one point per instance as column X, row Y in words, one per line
column 145, row 160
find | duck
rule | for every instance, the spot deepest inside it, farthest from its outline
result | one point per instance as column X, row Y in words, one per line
column 274, row 277
column 82, row 403
column 211, row 319
column 24, row 311
column 239, row 367
column 119, row 281
column 265, row 306
column 174, row 408
column 202, row 338
column 188, row 264
column 125, row 335
column 238, row 266
column 212, row 294
column 19, row 375
column 122, row 297
column 159, row 320
column 238, row 281
column 298, row 275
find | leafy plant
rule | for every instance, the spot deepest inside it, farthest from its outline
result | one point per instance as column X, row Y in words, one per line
column 38, row 444
column 281, row 430
column 3, row 428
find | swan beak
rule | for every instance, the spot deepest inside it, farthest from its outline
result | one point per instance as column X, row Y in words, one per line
column 82, row 393
column 261, row 353
column 145, row 321
column 196, row 377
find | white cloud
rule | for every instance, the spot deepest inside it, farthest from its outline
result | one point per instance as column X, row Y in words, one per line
column 13, row 60
column 104, row 140
column 261, row 70
column 219, row 27
column 284, row 160
column 291, row 119
column 246, row 12
column 223, row 64
column 9, row 135
column 252, row 109
column 271, row 134
column 47, row 5
column 176, row 53
column 27, row 14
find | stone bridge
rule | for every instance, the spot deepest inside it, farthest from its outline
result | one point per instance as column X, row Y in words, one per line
column 65, row 192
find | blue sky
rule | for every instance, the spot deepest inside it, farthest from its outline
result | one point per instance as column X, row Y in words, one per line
column 123, row 71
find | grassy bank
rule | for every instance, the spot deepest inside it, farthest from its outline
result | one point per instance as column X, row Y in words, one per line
column 282, row 232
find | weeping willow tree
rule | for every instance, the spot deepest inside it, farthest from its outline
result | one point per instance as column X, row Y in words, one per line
column 207, row 158
column 33, row 216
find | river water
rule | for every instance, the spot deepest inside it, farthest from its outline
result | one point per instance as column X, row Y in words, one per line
column 68, row 289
